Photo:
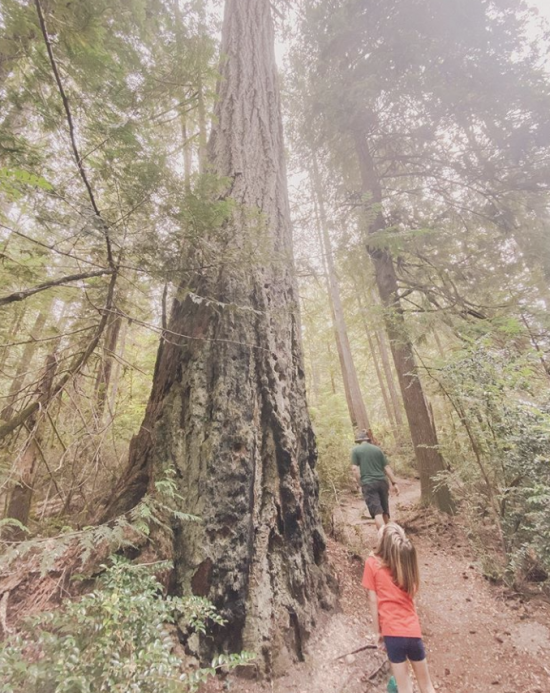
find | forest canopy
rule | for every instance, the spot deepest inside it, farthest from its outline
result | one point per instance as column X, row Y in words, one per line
column 227, row 245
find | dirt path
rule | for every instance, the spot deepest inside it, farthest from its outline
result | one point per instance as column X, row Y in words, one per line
column 478, row 637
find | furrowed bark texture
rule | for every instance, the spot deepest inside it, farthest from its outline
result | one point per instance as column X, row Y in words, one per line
column 423, row 433
column 228, row 407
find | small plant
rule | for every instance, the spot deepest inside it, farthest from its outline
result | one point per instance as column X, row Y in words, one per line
column 115, row 639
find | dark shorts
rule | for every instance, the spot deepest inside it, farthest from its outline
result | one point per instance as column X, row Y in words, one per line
column 376, row 497
column 401, row 649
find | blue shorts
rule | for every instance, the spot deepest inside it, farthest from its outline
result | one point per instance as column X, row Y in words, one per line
column 401, row 649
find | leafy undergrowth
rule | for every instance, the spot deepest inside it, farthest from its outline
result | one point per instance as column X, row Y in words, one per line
column 118, row 638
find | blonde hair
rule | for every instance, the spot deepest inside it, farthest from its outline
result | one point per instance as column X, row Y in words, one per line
column 397, row 552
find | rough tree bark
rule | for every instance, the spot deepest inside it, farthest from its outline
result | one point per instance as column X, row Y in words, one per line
column 423, row 433
column 354, row 398
column 227, row 409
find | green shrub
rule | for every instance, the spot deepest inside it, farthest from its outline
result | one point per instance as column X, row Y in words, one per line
column 334, row 442
column 501, row 462
column 115, row 639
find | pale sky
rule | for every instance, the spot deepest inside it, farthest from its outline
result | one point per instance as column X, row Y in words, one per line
column 543, row 7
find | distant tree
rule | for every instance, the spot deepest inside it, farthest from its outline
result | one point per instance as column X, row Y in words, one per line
column 426, row 100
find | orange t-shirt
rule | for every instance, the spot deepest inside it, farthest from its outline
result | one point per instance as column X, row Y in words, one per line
column 396, row 610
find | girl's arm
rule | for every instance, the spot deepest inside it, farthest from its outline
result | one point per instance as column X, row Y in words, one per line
column 373, row 604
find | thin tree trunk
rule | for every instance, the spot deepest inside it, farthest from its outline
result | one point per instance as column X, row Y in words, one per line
column 103, row 379
column 439, row 345
column 20, row 499
column 203, row 136
column 382, row 384
column 331, row 370
column 423, row 433
column 314, row 388
column 117, row 367
column 356, row 404
column 24, row 364
column 228, row 408
column 388, row 372
column 187, row 151
column 18, row 315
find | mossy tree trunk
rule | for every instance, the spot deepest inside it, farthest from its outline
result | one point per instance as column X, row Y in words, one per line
column 228, row 407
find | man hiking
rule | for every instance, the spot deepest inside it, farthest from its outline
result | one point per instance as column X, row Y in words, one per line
column 372, row 472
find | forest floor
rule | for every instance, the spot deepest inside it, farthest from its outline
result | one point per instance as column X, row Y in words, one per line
column 479, row 637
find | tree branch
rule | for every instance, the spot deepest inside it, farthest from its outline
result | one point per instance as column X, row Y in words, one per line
column 77, row 363
column 72, row 134
column 22, row 295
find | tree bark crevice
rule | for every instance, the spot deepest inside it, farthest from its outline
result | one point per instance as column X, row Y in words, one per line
column 227, row 409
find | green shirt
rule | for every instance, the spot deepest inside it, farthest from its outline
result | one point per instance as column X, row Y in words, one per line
column 370, row 460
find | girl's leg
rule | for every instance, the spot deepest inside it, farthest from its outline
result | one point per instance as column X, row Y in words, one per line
column 402, row 677
column 422, row 676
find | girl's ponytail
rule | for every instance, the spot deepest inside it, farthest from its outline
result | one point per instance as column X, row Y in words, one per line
column 398, row 553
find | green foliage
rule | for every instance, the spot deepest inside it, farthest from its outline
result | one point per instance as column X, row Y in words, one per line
column 501, row 469
column 13, row 182
column 116, row 639
column 333, row 432
column 156, row 511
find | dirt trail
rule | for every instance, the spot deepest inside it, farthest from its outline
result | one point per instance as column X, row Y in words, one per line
column 478, row 637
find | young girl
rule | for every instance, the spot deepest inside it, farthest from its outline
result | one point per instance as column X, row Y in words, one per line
column 392, row 579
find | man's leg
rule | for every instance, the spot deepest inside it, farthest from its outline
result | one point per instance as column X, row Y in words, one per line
column 384, row 493
column 371, row 494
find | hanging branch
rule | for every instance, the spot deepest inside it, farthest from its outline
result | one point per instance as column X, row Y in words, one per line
column 22, row 295
column 72, row 134
column 77, row 363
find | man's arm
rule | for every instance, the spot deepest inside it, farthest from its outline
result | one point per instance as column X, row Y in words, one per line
column 391, row 476
column 356, row 471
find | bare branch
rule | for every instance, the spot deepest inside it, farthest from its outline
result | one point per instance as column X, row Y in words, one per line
column 22, row 295
column 49, row 247
column 76, row 365
column 72, row 134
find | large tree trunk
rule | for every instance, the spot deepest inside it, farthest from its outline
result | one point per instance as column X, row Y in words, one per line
column 227, row 408
column 423, row 432
column 356, row 404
